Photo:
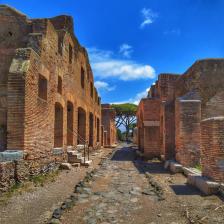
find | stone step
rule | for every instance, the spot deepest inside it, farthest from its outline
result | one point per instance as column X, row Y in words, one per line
column 86, row 163
column 74, row 157
column 80, row 147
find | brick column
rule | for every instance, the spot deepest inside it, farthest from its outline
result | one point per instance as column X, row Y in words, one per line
column 16, row 100
column 212, row 148
column 188, row 118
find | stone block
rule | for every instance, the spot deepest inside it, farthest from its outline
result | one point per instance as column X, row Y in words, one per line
column 167, row 164
column 206, row 186
column 57, row 151
column 176, row 167
column 65, row 166
column 80, row 147
column 11, row 155
column 187, row 171
column 191, row 179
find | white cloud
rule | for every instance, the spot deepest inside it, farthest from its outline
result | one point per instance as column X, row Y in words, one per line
column 106, row 65
column 126, row 50
column 136, row 99
column 104, row 86
column 139, row 96
column 148, row 17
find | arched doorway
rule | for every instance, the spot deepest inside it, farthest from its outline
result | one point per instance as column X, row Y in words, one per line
column 70, row 112
column 91, row 125
column 58, row 126
column 81, row 125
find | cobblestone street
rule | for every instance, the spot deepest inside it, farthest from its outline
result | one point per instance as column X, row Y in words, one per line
column 127, row 190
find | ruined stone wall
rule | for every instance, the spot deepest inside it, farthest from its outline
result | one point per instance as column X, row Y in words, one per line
column 108, row 122
column 148, row 123
column 47, row 80
column 166, row 86
column 188, row 118
column 212, row 148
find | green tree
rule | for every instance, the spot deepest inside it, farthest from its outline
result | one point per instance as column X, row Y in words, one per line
column 125, row 115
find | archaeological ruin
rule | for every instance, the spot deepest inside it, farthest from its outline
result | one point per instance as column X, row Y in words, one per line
column 49, row 105
column 182, row 118
column 109, row 131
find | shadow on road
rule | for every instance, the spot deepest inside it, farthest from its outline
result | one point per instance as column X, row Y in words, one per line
column 184, row 189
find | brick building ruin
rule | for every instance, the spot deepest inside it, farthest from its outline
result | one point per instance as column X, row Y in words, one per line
column 48, row 101
column 109, row 131
column 183, row 118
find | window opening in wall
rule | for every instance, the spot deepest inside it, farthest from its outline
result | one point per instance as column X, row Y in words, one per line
column 59, row 84
column 70, row 54
column 58, row 126
column 91, row 89
column 42, row 87
column 82, row 78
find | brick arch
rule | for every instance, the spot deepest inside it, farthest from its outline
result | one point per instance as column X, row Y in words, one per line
column 70, row 123
column 81, row 125
column 58, row 125
column 70, row 97
column 91, row 128
column 60, row 100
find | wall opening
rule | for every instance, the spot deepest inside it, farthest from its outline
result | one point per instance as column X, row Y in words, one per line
column 58, row 126
column 59, row 84
column 91, row 89
column 42, row 87
column 70, row 114
column 70, row 53
column 102, row 132
column 91, row 127
column 82, row 78
column 81, row 125
column 98, row 130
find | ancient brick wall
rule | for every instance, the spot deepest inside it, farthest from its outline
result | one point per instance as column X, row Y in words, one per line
column 108, row 122
column 148, row 123
column 166, row 86
column 212, row 148
column 48, row 81
column 214, row 106
column 151, row 142
column 187, row 122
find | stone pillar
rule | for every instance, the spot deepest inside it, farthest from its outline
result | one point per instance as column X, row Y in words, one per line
column 187, row 122
column 212, row 148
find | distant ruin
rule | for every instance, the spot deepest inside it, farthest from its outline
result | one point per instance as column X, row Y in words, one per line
column 182, row 118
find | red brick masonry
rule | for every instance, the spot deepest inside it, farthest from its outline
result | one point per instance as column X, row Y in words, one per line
column 187, row 118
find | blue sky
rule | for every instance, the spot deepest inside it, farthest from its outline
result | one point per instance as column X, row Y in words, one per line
column 131, row 41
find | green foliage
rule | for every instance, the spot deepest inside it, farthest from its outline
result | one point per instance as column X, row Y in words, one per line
column 198, row 167
column 125, row 108
column 125, row 115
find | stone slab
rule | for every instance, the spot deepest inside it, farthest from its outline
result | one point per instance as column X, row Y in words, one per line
column 11, row 155
column 176, row 167
column 205, row 185
column 187, row 171
column 65, row 166
column 57, row 151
